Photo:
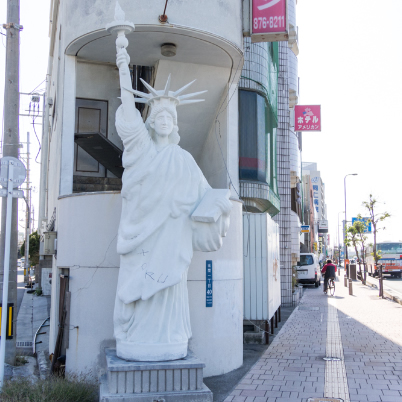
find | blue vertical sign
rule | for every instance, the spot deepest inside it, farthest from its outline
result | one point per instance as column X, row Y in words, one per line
column 208, row 299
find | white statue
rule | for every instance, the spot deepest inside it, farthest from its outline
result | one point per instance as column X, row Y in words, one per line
column 168, row 211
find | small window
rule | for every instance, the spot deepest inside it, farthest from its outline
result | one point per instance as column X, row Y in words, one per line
column 254, row 138
column 257, row 139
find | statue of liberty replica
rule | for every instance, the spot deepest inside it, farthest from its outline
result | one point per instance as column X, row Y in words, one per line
column 168, row 211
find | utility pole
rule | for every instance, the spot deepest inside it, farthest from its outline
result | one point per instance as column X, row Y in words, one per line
column 10, row 148
column 27, row 219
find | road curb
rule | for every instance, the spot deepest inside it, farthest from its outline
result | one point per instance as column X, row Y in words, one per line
column 396, row 299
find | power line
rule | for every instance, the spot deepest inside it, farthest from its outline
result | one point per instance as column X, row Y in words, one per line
column 36, row 135
column 38, row 86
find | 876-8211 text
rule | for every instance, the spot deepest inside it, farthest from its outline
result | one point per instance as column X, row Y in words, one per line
column 271, row 22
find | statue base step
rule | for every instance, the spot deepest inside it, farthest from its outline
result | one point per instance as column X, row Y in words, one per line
column 168, row 381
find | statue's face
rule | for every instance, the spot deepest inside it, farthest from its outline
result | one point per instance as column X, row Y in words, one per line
column 163, row 124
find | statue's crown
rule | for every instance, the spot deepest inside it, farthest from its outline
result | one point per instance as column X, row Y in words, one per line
column 165, row 95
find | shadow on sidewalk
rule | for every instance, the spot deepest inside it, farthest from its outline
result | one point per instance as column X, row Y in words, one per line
column 222, row 385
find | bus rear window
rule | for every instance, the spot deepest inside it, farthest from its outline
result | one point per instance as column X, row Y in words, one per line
column 390, row 248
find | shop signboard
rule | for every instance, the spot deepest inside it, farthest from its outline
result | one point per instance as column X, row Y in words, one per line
column 323, row 226
column 308, row 118
column 269, row 22
column 305, row 229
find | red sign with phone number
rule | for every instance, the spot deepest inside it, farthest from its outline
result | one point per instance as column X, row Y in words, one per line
column 269, row 16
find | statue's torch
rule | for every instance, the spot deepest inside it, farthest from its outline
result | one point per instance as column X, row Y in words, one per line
column 121, row 27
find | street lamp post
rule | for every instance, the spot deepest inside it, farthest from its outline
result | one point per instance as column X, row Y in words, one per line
column 339, row 242
column 344, row 241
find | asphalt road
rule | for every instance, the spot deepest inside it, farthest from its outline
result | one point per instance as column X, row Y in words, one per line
column 393, row 283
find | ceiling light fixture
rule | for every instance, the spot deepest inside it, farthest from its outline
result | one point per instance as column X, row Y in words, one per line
column 168, row 49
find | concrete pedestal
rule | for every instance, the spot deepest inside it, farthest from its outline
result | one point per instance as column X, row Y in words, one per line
column 172, row 381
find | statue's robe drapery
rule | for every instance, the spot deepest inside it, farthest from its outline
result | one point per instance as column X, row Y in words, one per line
column 156, row 240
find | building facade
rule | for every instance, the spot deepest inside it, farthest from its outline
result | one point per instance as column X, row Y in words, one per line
column 242, row 138
column 289, row 158
column 258, row 174
column 308, row 245
column 312, row 174
column 80, row 196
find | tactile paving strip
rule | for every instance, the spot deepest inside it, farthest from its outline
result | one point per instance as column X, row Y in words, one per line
column 336, row 383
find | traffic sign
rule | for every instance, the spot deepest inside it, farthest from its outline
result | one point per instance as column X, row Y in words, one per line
column 364, row 220
column 19, row 171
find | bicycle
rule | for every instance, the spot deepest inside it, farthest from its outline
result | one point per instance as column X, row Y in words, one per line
column 331, row 287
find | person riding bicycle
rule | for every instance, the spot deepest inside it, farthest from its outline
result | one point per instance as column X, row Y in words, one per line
column 329, row 270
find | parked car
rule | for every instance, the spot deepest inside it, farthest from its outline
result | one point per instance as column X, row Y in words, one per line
column 308, row 269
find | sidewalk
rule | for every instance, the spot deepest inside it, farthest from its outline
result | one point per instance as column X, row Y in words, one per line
column 362, row 331
column 33, row 312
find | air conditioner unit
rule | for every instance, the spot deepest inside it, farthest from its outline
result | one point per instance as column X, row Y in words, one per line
column 49, row 239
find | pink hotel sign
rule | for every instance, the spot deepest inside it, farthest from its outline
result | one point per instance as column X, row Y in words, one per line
column 308, row 118
column 269, row 17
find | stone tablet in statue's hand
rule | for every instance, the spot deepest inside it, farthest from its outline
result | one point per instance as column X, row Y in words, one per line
column 214, row 204
column 224, row 205
column 122, row 60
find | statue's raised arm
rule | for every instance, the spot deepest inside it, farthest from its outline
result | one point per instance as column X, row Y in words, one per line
column 130, row 112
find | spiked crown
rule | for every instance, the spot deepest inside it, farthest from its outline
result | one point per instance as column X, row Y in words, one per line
column 155, row 97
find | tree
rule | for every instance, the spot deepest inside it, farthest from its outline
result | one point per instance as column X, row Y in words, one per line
column 376, row 219
column 352, row 239
column 361, row 227
column 34, row 241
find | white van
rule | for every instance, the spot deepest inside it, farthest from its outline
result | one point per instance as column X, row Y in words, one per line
column 308, row 269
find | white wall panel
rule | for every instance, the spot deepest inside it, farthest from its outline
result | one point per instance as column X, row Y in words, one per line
column 262, row 291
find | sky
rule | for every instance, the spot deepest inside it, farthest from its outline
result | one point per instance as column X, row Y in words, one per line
column 349, row 62
column 34, row 50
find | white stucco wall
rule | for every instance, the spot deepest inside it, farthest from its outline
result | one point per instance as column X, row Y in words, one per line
column 87, row 236
column 46, row 281
column 219, row 157
column 221, row 18
column 293, row 69
column 292, row 12
column 218, row 330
